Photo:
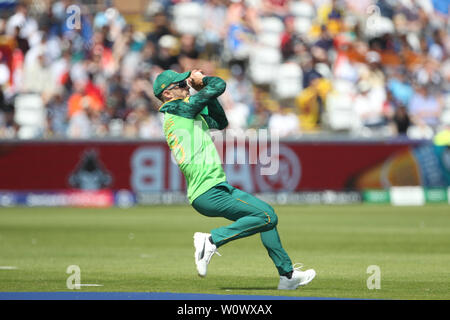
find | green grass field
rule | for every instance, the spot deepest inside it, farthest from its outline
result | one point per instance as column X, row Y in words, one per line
column 150, row 249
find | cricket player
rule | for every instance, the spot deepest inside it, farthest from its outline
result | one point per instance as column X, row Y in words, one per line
column 187, row 120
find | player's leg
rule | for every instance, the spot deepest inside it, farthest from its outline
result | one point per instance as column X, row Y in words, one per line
column 270, row 238
column 290, row 276
column 219, row 202
column 250, row 215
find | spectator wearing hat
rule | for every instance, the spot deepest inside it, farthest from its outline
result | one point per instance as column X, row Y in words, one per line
column 167, row 53
column 368, row 106
column 372, row 72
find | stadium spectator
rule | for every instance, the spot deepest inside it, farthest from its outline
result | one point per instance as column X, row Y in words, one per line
column 400, row 88
column 239, row 102
column 8, row 128
column 22, row 43
column 189, row 55
column 241, row 26
column 278, row 8
column 310, row 73
column 330, row 14
column 56, row 116
column 81, row 100
column 37, row 78
column 368, row 105
column 289, row 39
column 20, row 19
column 110, row 65
column 372, row 71
column 325, row 41
column 311, row 102
column 162, row 27
column 214, row 19
column 401, row 120
column 261, row 115
column 425, row 107
column 167, row 54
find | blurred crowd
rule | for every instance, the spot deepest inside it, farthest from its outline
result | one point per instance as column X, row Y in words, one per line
column 70, row 69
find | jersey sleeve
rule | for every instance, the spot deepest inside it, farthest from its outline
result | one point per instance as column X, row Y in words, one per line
column 214, row 87
column 192, row 105
column 216, row 118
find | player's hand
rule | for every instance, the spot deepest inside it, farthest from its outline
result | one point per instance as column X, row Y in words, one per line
column 196, row 79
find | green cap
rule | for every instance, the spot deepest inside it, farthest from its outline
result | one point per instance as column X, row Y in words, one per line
column 166, row 78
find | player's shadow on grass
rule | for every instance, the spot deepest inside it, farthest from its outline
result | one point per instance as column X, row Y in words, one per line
column 273, row 288
column 250, row 288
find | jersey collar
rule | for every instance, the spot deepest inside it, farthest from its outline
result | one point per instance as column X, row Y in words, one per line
column 184, row 99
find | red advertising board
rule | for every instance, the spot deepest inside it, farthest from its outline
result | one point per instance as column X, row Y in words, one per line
column 142, row 166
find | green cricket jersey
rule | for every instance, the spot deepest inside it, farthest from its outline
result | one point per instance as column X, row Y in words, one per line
column 186, row 128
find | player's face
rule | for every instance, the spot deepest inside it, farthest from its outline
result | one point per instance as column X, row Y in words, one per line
column 178, row 90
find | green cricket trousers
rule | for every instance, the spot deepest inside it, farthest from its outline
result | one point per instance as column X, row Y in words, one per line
column 250, row 215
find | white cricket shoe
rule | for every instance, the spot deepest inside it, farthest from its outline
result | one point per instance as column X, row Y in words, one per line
column 204, row 251
column 299, row 278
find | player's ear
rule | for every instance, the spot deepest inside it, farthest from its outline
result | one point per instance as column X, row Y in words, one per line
column 166, row 95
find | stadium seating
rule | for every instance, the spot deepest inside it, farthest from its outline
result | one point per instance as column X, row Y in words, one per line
column 264, row 63
column 30, row 115
column 188, row 18
column 287, row 83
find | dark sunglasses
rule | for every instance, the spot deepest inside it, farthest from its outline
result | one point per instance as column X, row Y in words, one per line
column 181, row 84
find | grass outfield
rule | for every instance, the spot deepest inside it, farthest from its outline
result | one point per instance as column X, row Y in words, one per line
column 151, row 249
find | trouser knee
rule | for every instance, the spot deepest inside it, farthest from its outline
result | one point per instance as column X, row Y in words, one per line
column 272, row 218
